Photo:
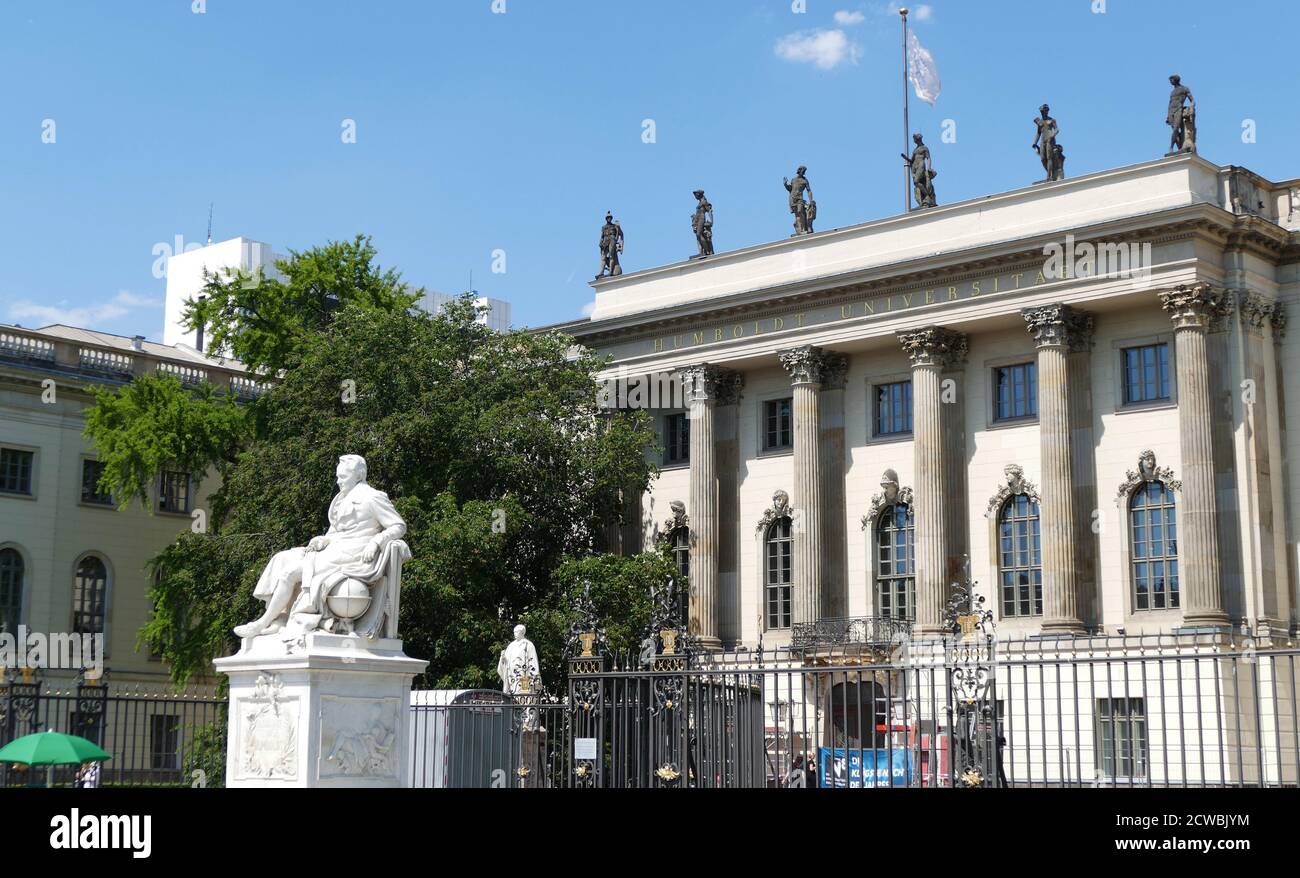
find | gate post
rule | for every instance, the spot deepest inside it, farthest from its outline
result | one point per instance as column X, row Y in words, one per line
column 970, row 656
column 584, row 650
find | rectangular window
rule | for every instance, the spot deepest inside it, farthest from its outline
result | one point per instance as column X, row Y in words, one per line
column 174, row 492
column 1146, row 373
column 1015, row 388
column 894, row 409
column 778, row 425
column 16, row 471
column 1122, row 737
column 165, row 742
column 677, row 439
column 91, row 471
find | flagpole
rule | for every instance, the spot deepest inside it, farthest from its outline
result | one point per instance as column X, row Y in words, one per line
column 907, row 172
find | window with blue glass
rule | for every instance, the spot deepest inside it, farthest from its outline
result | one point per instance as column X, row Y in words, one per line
column 894, row 409
column 1020, row 558
column 1146, row 373
column 1015, row 390
column 677, row 439
column 1153, row 520
column 779, row 590
column 896, row 563
column 778, row 424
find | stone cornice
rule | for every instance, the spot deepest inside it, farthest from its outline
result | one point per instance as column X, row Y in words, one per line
column 1196, row 306
column 1146, row 473
column 1060, row 326
column 1200, row 220
column 1014, row 485
column 935, row 346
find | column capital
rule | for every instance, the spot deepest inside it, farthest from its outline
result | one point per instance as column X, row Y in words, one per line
column 811, row 365
column 705, row 382
column 1260, row 315
column 1196, row 306
column 935, row 346
column 1060, row 325
column 837, row 370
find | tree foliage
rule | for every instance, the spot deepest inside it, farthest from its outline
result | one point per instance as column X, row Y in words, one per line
column 491, row 446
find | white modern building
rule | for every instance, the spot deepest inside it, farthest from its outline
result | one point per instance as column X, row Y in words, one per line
column 187, row 274
column 495, row 318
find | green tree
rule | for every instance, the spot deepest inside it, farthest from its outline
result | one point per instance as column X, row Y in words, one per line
column 491, row 445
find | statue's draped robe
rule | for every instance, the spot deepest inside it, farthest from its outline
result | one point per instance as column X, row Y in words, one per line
column 517, row 660
column 356, row 519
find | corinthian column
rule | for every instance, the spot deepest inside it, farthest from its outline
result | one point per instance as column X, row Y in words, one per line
column 1058, row 330
column 807, row 367
column 706, row 388
column 931, row 350
column 1193, row 308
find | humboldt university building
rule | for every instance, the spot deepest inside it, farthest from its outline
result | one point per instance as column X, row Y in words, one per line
column 1072, row 395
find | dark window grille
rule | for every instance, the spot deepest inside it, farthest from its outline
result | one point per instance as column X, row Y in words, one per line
column 1154, row 522
column 11, row 590
column 677, row 439
column 1020, row 558
column 780, row 574
column 15, row 471
column 174, row 492
column 91, row 472
column 89, row 596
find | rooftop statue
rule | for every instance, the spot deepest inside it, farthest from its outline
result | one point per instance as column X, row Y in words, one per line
column 1051, row 155
column 804, row 210
column 611, row 245
column 347, row 581
column 702, row 225
column 923, row 173
column 1181, row 118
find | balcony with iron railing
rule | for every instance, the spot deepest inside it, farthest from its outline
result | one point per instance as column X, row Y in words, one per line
column 877, row 632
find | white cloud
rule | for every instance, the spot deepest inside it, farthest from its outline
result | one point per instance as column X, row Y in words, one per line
column 827, row 49
column 87, row 316
column 845, row 17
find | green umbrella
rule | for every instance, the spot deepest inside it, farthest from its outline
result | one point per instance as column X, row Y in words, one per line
column 52, row 748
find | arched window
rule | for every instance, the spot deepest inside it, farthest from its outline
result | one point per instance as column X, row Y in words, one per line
column 779, row 544
column 896, row 563
column 680, row 543
column 11, row 590
column 1154, row 523
column 1020, row 557
column 89, row 596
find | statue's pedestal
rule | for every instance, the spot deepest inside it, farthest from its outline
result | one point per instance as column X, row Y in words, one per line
column 331, row 712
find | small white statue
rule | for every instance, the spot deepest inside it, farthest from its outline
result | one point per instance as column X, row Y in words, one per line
column 347, row 580
column 518, row 668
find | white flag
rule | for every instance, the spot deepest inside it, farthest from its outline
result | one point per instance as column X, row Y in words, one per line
column 923, row 72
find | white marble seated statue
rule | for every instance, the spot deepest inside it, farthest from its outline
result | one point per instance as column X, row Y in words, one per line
column 348, row 580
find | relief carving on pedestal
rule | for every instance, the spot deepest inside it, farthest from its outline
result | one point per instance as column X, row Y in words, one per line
column 270, row 732
column 358, row 737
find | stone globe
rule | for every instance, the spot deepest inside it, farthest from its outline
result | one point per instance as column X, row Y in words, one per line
column 349, row 599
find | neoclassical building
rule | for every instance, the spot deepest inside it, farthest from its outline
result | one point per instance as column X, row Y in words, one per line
column 1077, row 389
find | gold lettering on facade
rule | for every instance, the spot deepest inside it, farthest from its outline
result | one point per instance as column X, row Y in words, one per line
column 799, row 318
column 698, row 338
column 659, row 345
column 717, row 335
column 975, row 288
column 1018, row 277
column 846, row 311
column 869, row 307
column 1041, row 279
column 952, row 294
column 907, row 300
column 737, row 331
column 929, row 297
column 778, row 324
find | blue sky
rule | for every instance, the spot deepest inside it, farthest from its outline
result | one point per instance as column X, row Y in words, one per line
column 478, row 131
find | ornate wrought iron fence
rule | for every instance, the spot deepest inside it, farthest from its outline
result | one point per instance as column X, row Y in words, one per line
column 153, row 733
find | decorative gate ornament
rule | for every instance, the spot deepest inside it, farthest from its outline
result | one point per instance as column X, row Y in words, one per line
column 970, row 655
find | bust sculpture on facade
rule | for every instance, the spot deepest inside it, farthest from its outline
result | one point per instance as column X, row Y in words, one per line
column 346, row 581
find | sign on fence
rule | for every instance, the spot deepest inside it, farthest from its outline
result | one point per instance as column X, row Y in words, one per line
column 860, row 769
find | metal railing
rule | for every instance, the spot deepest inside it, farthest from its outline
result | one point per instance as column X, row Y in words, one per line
column 866, row 630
